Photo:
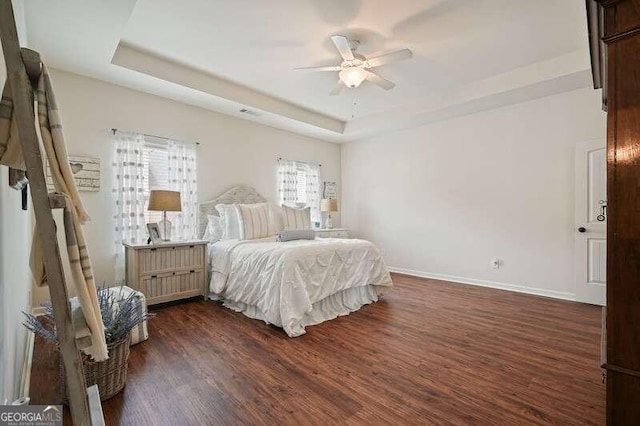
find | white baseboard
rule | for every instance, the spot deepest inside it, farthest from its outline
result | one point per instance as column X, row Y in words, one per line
column 485, row 283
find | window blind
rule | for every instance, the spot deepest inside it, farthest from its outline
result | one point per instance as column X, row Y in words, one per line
column 301, row 185
column 155, row 159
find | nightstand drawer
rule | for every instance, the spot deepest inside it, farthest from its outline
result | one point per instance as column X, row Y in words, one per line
column 172, row 285
column 160, row 259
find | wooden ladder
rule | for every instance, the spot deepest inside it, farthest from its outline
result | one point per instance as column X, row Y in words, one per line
column 23, row 70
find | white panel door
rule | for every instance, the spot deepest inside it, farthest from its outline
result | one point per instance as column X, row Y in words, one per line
column 591, row 221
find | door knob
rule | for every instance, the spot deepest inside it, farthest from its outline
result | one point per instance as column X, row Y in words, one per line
column 582, row 229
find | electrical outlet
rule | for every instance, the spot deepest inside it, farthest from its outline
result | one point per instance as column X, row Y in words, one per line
column 496, row 263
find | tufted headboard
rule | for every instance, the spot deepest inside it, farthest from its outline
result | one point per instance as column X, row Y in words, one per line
column 241, row 194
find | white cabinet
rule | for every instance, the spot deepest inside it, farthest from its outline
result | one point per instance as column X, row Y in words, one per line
column 168, row 271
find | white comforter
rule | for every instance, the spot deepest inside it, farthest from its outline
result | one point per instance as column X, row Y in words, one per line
column 297, row 283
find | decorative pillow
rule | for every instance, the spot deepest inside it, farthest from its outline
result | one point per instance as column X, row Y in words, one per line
column 296, row 234
column 276, row 224
column 215, row 227
column 253, row 220
column 214, row 230
column 206, row 235
column 229, row 216
column 296, row 218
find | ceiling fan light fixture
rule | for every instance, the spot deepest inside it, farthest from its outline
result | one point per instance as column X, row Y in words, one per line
column 355, row 68
column 353, row 76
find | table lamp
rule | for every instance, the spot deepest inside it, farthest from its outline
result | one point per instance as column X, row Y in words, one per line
column 164, row 201
column 328, row 205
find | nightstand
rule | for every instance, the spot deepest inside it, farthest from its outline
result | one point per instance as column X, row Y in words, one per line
column 332, row 233
column 167, row 271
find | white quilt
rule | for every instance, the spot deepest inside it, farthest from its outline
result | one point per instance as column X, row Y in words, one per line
column 297, row 283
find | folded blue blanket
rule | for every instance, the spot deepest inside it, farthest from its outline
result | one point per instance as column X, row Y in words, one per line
column 296, row 234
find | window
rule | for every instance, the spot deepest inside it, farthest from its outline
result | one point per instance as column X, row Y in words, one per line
column 299, row 185
column 140, row 164
column 155, row 160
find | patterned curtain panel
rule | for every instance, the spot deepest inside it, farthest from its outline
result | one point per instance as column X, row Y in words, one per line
column 287, row 182
column 128, row 195
column 313, row 192
column 182, row 178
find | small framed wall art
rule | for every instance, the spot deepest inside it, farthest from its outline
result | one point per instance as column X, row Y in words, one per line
column 86, row 173
column 329, row 190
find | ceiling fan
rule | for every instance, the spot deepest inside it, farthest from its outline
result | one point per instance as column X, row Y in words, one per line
column 355, row 68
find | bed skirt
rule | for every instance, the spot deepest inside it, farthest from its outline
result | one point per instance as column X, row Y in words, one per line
column 339, row 304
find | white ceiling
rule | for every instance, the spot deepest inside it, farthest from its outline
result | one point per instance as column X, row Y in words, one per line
column 222, row 55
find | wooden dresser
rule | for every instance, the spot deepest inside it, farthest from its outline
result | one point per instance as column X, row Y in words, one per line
column 168, row 271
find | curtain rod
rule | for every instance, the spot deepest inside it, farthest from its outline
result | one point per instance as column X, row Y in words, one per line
column 304, row 162
column 114, row 130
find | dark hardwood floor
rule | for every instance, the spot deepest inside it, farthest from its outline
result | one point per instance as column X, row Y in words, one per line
column 430, row 352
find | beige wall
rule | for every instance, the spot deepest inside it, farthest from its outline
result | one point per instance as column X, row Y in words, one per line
column 15, row 283
column 232, row 151
column 15, row 276
column 442, row 200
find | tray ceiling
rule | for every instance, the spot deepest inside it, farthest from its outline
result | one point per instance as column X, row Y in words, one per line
column 223, row 55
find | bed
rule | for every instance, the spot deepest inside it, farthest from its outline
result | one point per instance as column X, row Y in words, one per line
column 292, row 284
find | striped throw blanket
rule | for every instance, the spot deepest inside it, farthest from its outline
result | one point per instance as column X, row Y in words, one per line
column 74, row 213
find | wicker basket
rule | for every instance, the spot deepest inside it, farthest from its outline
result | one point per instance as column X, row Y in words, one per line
column 109, row 375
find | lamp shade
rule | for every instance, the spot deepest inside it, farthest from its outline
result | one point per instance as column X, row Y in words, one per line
column 329, row 205
column 167, row 201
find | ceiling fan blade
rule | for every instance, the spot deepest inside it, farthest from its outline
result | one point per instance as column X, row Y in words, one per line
column 336, row 68
column 399, row 55
column 342, row 44
column 379, row 81
column 337, row 88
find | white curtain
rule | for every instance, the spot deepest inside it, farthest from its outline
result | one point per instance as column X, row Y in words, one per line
column 182, row 178
column 128, row 195
column 288, row 191
column 313, row 192
column 287, row 181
